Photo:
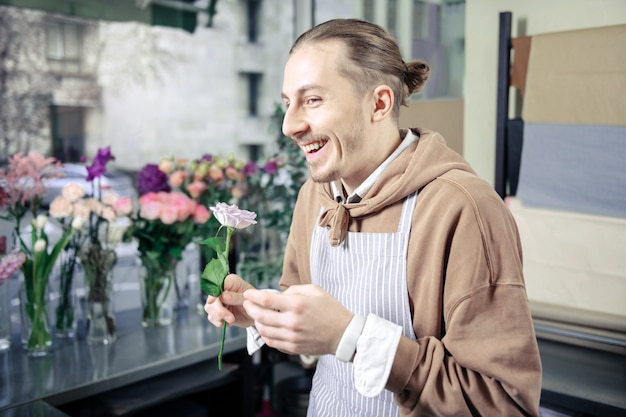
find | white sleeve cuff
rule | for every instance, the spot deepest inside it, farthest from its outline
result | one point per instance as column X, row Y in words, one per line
column 375, row 352
column 347, row 344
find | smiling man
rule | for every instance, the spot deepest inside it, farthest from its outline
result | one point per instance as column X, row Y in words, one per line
column 403, row 269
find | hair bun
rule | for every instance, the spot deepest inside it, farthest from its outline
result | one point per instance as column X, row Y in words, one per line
column 417, row 73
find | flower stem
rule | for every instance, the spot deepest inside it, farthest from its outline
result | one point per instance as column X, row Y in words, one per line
column 229, row 233
column 219, row 357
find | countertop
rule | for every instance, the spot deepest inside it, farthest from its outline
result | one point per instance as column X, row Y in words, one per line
column 75, row 370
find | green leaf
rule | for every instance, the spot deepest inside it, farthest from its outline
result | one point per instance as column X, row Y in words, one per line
column 210, row 288
column 217, row 243
column 212, row 278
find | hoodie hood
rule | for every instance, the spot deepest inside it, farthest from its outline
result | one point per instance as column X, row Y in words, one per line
column 421, row 163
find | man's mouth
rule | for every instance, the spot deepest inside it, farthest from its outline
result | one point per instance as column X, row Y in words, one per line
column 313, row 147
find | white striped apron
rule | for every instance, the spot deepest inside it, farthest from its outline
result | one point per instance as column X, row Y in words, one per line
column 367, row 274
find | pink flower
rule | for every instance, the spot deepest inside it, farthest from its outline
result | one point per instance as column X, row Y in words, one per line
column 95, row 206
column 123, row 206
column 108, row 214
column 109, row 199
column 150, row 210
column 201, row 215
column 23, row 181
column 233, row 216
column 233, row 174
column 216, row 174
column 60, row 207
column 10, row 264
column 73, row 192
column 169, row 214
column 240, row 190
column 177, row 178
column 81, row 209
column 196, row 188
column 184, row 205
column 148, row 198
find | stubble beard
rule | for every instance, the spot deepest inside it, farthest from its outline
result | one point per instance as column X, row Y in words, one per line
column 350, row 144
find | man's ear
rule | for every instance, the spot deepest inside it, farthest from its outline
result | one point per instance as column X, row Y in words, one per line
column 383, row 102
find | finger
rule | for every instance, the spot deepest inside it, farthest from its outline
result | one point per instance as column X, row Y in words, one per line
column 262, row 315
column 232, row 298
column 265, row 299
column 210, row 299
column 217, row 313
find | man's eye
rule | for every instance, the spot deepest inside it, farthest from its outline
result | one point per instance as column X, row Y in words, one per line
column 313, row 100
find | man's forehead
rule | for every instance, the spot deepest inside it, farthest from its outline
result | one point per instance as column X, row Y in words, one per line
column 312, row 65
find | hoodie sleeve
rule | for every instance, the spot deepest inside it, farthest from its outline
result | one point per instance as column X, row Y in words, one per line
column 296, row 262
column 482, row 357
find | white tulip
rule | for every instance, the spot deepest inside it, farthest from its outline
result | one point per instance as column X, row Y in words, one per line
column 40, row 222
column 40, row 245
column 78, row 222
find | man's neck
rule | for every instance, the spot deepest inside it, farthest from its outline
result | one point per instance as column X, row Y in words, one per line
column 341, row 189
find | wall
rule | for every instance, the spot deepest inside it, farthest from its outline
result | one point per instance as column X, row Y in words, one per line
column 530, row 17
column 168, row 92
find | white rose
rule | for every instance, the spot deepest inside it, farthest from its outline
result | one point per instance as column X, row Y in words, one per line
column 233, row 216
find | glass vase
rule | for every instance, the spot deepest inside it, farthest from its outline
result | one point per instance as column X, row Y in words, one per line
column 158, row 296
column 5, row 317
column 98, row 264
column 35, row 323
column 65, row 310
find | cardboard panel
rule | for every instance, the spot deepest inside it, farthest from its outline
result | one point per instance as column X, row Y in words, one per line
column 444, row 116
column 519, row 66
column 577, row 77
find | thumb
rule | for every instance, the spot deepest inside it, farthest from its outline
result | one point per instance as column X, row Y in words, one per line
column 234, row 283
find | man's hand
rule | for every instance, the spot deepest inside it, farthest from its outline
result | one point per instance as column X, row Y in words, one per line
column 304, row 319
column 228, row 306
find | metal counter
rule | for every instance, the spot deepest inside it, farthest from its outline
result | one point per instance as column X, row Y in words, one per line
column 75, row 370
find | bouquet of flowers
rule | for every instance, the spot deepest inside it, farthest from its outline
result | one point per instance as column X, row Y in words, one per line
column 23, row 190
column 93, row 245
column 207, row 180
column 165, row 223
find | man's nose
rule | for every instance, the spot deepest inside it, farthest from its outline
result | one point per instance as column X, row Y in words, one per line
column 294, row 123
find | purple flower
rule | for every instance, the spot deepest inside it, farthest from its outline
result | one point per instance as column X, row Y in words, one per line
column 271, row 167
column 98, row 167
column 151, row 179
column 250, row 168
column 95, row 171
column 103, row 156
column 207, row 157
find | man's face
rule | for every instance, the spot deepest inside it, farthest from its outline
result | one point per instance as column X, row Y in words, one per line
column 324, row 116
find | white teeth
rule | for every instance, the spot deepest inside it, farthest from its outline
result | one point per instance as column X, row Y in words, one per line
column 312, row 147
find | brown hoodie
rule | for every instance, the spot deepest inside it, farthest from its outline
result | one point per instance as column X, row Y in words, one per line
column 476, row 352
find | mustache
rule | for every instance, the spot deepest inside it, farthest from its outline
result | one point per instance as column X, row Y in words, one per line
column 309, row 138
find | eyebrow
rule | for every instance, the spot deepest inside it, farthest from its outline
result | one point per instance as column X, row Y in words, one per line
column 302, row 90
